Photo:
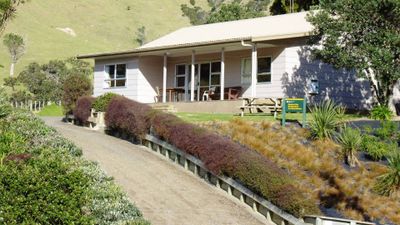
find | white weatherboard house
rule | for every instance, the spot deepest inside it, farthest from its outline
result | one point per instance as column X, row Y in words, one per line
column 261, row 57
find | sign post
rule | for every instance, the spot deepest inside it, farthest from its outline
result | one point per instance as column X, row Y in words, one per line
column 294, row 105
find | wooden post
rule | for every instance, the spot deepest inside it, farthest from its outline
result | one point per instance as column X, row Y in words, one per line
column 222, row 77
column 164, row 90
column 254, row 71
column 192, row 81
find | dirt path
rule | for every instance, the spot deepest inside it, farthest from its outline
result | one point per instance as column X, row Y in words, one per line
column 164, row 192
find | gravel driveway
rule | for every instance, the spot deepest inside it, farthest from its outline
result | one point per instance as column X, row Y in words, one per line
column 164, row 192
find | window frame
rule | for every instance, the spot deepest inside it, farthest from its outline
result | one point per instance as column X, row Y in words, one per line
column 180, row 75
column 110, row 80
column 258, row 74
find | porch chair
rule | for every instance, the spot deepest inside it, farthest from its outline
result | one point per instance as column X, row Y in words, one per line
column 207, row 93
column 158, row 96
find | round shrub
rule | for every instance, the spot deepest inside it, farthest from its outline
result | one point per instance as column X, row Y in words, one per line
column 101, row 102
column 75, row 87
column 83, row 109
column 381, row 112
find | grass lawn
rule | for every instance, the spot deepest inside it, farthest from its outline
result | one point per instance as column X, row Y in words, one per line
column 51, row 110
column 204, row 117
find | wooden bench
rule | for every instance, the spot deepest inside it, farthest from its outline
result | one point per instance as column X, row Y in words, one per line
column 266, row 105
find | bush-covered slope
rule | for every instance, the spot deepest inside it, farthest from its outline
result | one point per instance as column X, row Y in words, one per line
column 43, row 179
column 101, row 25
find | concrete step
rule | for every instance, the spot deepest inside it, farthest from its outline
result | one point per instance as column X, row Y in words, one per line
column 165, row 108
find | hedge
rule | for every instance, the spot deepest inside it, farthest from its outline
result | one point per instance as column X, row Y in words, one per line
column 44, row 179
column 220, row 154
column 83, row 109
column 102, row 101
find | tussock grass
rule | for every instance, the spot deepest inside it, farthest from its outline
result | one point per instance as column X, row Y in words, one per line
column 318, row 169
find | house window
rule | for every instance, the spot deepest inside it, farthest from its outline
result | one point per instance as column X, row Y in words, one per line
column 180, row 74
column 263, row 73
column 116, row 75
column 215, row 74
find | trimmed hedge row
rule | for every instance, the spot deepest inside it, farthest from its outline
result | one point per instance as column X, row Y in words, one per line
column 101, row 102
column 220, row 154
column 82, row 109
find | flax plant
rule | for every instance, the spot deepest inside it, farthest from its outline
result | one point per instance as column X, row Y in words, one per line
column 389, row 183
column 350, row 139
column 325, row 119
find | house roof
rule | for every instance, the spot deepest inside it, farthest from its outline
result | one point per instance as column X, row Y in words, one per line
column 256, row 30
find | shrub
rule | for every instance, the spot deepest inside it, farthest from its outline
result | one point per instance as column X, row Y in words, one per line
column 350, row 139
column 75, row 87
column 128, row 117
column 83, row 108
column 43, row 180
column 388, row 130
column 101, row 102
column 375, row 148
column 389, row 183
column 223, row 156
column 381, row 112
column 325, row 119
column 219, row 154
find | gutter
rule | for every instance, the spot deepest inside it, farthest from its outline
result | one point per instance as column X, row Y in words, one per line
column 139, row 51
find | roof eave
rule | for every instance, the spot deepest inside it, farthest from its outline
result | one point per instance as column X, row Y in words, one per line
column 138, row 51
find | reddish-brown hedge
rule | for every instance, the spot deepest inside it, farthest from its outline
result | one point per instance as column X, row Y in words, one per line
column 82, row 109
column 127, row 116
column 219, row 154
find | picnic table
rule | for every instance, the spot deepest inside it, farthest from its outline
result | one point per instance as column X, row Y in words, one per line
column 254, row 105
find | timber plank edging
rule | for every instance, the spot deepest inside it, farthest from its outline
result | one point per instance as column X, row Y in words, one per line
column 272, row 210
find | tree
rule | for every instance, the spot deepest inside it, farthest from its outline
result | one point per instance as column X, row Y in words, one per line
column 289, row 6
column 8, row 8
column 16, row 47
column 141, row 35
column 363, row 36
column 221, row 11
column 76, row 87
column 233, row 11
column 11, row 82
column 46, row 81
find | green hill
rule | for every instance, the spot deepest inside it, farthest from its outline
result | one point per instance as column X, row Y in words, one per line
column 100, row 25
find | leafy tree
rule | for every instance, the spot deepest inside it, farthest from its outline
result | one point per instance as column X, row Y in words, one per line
column 11, row 82
column 8, row 9
column 363, row 36
column 288, row 6
column 196, row 14
column 76, row 87
column 233, row 11
column 16, row 47
column 46, row 81
column 141, row 35
column 220, row 11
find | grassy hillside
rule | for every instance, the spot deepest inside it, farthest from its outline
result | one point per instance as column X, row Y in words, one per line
column 101, row 25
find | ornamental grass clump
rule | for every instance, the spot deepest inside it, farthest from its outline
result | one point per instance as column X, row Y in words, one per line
column 325, row 119
column 350, row 139
column 389, row 183
column 83, row 109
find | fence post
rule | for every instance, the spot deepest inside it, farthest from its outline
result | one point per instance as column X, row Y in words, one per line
column 30, row 105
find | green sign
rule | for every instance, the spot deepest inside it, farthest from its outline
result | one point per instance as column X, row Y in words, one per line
column 294, row 105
